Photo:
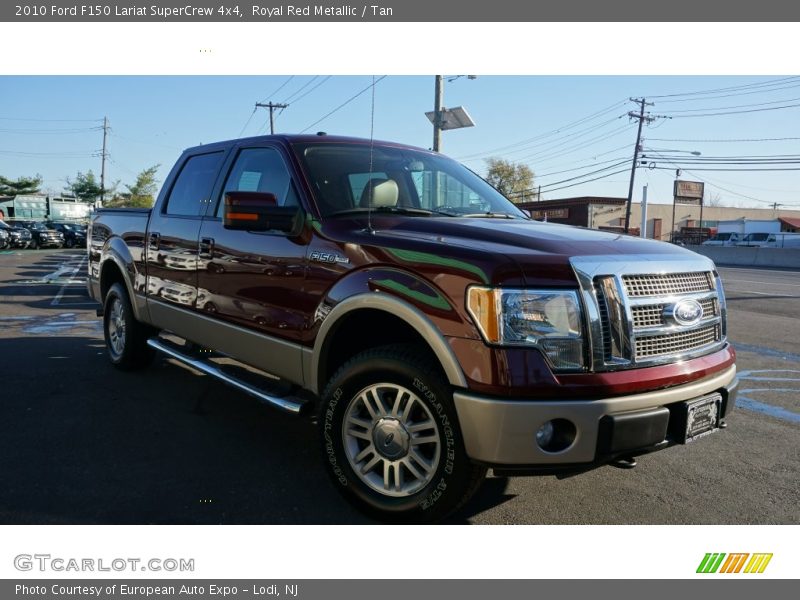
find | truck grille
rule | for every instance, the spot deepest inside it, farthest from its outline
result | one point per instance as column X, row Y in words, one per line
column 653, row 315
column 675, row 343
column 633, row 322
column 666, row 285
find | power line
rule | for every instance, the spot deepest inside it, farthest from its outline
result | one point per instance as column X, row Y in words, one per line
column 546, row 134
column 296, row 100
column 580, row 146
column 52, row 120
column 280, row 87
column 49, row 131
column 772, row 82
column 246, row 123
column 602, row 162
column 734, row 95
column 345, row 103
column 304, row 86
column 587, row 181
column 581, row 176
column 733, row 112
column 701, row 141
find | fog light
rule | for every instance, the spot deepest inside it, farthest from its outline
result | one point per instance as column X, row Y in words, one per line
column 545, row 435
column 556, row 435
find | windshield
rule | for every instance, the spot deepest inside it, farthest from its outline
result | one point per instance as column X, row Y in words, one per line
column 349, row 177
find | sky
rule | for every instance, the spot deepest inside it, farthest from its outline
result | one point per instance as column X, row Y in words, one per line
column 568, row 129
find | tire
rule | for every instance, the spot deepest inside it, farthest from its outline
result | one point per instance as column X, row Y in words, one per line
column 69, row 243
column 126, row 338
column 368, row 434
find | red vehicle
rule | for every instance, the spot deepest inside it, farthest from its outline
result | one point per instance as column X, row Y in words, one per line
column 433, row 328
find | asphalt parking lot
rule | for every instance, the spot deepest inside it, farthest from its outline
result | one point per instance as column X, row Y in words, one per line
column 83, row 443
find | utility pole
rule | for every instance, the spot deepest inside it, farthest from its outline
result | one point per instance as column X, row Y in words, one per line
column 103, row 163
column 437, row 110
column 271, row 106
column 642, row 118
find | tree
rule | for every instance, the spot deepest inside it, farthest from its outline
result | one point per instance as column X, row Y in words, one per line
column 85, row 187
column 141, row 194
column 22, row 185
column 714, row 199
column 510, row 179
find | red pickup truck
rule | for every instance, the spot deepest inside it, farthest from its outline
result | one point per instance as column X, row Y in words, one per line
column 433, row 328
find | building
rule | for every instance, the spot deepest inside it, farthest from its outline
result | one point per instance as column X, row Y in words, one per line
column 608, row 213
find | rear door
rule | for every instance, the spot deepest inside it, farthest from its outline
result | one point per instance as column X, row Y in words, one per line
column 254, row 279
column 172, row 236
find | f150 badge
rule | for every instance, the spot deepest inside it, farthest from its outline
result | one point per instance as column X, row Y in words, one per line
column 328, row 257
column 686, row 312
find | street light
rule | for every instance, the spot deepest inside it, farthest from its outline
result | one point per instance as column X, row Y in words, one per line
column 443, row 118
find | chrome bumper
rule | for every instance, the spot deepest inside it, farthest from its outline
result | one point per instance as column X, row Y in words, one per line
column 503, row 432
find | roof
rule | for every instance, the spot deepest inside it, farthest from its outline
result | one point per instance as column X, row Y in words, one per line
column 318, row 138
column 573, row 201
column 791, row 222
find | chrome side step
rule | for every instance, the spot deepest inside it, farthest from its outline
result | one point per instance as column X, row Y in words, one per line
column 288, row 404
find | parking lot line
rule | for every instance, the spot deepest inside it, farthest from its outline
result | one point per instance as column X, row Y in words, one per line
column 72, row 275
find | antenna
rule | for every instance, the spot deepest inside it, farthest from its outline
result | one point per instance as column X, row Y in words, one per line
column 371, row 146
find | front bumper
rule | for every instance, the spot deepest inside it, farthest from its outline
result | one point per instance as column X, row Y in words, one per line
column 502, row 433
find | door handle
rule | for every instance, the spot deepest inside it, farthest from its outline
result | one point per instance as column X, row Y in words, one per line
column 153, row 241
column 206, row 247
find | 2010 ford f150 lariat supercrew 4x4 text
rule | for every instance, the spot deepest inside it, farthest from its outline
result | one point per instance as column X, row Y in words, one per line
column 432, row 327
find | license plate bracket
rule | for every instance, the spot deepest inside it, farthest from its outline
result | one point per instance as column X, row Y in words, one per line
column 702, row 417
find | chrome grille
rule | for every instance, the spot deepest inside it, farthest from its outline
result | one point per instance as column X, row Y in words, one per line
column 630, row 308
column 652, row 315
column 606, row 322
column 666, row 285
column 676, row 343
column 648, row 316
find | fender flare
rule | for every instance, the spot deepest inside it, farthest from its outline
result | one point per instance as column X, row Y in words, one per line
column 397, row 308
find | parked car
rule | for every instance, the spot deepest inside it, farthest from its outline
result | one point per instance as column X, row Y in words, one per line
column 18, row 237
column 433, row 328
column 42, row 236
column 5, row 238
column 74, row 235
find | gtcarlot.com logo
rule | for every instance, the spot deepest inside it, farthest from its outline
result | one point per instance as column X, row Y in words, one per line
column 741, row 562
column 47, row 562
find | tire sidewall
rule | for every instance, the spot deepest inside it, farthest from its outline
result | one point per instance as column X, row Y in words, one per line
column 116, row 293
column 445, row 489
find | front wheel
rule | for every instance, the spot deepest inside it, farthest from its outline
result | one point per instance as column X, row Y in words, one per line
column 391, row 438
column 126, row 338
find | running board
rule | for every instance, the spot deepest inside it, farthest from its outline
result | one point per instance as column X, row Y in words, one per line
column 288, row 404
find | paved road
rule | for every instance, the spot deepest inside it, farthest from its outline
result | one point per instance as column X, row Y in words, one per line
column 83, row 443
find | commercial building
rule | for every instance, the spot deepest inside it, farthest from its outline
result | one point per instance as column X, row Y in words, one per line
column 608, row 214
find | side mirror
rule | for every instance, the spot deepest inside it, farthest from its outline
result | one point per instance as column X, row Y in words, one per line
column 259, row 211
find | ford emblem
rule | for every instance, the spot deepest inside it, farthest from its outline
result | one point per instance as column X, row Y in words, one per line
column 685, row 312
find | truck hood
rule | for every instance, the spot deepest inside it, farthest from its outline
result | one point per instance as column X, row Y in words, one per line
column 535, row 246
column 517, row 251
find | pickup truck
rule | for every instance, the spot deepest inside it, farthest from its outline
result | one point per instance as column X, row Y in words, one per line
column 432, row 328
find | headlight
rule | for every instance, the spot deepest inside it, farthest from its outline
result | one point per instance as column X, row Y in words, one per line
column 43, row 235
column 546, row 319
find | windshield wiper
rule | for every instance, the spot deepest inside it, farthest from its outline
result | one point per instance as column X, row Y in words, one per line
column 492, row 215
column 397, row 210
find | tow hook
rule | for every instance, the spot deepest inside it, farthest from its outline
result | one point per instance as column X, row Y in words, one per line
column 627, row 462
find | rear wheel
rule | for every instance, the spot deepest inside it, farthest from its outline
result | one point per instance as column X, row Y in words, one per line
column 391, row 438
column 126, row 338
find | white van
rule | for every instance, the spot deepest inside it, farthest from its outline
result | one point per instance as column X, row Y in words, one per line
column 771, row 240
column 728, row 238
column 783, row 240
